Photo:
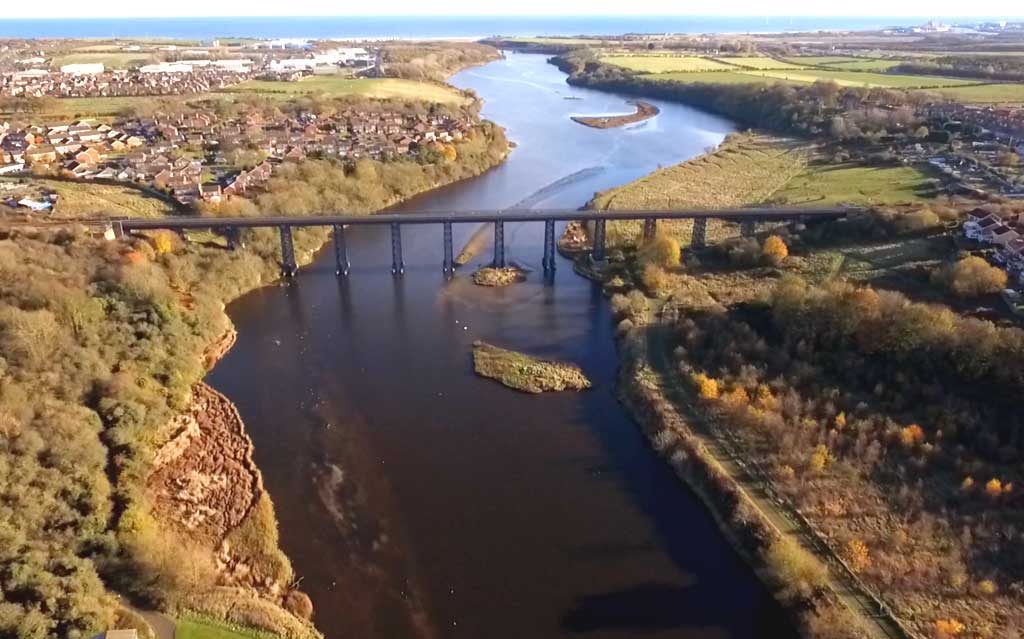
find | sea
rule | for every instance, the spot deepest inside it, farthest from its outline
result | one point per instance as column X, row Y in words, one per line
column 421, row 27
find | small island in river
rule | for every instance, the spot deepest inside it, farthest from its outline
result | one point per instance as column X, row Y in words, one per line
column 526, row 373
column 644, row 111
column 493, row 276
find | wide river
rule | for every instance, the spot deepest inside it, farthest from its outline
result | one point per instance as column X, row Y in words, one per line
column 418, row 500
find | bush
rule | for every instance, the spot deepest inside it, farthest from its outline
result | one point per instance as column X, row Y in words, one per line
column 775, row 250
column 655, row 278
column 798, row 571
column 971, row 277
column 661, row 251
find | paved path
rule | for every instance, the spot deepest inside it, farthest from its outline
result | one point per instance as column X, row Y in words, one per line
column 721, row 444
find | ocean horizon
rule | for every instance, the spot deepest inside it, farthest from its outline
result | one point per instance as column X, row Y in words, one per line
column 412, row 27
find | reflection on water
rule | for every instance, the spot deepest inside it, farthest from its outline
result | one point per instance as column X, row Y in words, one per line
column 417, row 500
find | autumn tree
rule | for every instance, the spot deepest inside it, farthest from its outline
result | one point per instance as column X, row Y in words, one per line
column 972, row 277
column 775, row 250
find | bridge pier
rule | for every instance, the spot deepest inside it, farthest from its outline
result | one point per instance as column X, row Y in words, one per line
column 748, row 227
column 397, row 265
column 650, row 228
column 499, row 244
column 448, row 266
column 234, row 238
column 549, row 246
column 340, row 251
column 597, row 252
column 699, row 237
column 288, row 266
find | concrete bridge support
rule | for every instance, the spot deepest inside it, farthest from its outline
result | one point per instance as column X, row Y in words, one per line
column 288, row 265
column 397, row 264
column 650, row 229
column 499, row 245
column 549, row 246
column 233, row 234
column 748, row 228
column 340, row 251
column 699, row 237
column 598, row 250
column 448, row 266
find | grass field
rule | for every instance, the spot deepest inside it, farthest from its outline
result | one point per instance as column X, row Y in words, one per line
column 828, row 185
column 112, row 60
column 759, row 62
column 69, row 108
column 988, row 93
column 845, row 63
column 862, row 79
column 85, row 199
column 715, row 77
column 336, row 86
column 664, row 63
column 196, row 628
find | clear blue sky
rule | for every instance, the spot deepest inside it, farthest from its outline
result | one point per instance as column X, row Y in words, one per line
column 150, row 8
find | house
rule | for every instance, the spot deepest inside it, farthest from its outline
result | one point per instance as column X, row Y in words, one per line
column 88, row 156
column 42, row 153
column 16, row 167
column 981, row 231
column 35, row 205
column 210, row 193
column 1002, row 235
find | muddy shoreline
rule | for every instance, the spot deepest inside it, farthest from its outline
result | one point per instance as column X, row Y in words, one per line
column 644, row 111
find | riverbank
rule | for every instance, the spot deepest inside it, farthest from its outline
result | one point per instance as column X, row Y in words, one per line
column 644, row 111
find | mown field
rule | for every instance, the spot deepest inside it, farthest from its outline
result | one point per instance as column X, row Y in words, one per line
column 832, row 184
column 987, row 93
column 664, row 63
column 199, row 628
column 336, row 86
column 759, row 62
column 863, row 79
column 845, row 63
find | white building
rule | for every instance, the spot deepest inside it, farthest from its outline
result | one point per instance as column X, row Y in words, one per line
column 166, row 67
column 92, row 68
column 293, row 64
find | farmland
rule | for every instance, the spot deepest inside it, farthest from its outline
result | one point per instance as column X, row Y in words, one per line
column 664, row 64
column 85, row 199
column 833, row 184
column 111, row 59
column 759, row 62
column 864, row 79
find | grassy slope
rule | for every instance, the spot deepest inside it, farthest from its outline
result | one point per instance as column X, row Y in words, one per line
column 759, row 62
column 201, row 628
column 84, row 199
column 847, row 183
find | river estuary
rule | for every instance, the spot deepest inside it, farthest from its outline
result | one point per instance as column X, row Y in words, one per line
column 418, row 500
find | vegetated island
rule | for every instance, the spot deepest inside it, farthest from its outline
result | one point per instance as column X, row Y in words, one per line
column 526, row 373
column 644, row 111
column 494, row 276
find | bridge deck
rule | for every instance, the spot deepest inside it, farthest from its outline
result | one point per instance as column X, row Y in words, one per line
column 508, row 215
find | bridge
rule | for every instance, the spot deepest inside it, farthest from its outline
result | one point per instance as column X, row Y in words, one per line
column 748, row 219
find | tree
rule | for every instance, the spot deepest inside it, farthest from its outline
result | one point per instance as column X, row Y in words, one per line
column 163, row 242
column 921, row 132
column 663, row 251
column 857, row 555
column 972, row 277
column 706, row 386
column 775, row 250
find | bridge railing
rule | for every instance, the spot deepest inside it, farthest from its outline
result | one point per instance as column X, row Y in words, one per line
column 748, row 219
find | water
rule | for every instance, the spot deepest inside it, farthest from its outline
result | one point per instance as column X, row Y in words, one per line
column 417, row 500
column 426, row 26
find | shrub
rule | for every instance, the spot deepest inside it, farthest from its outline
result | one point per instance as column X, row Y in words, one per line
column 994, row 487
column 707, row 387
column 163, row 242
column 655, row 278
column 857, row 555
column 799, row 572
column 919, row 220
column 775, row 250
column 662, row 251
column 987, row 587
column 912, row 435
column 948, row 628
column 971, row 277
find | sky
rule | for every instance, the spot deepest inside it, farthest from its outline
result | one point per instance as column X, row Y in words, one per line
column 200, row 8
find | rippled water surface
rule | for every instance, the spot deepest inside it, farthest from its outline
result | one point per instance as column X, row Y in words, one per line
column 417, row 500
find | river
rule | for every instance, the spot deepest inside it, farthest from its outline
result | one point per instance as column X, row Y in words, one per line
column 417, row 500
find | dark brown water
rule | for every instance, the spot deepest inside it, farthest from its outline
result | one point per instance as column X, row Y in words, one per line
column 417, row 500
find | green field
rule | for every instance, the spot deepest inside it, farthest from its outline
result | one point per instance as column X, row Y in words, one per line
column 863, row 79
column 664, row 63
column 759, row 62
column 336, row 86
column 112, row 60
column 852, row 184
column 714, row 77
column 195, row 628
column 987, row 93
column 845, row 63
